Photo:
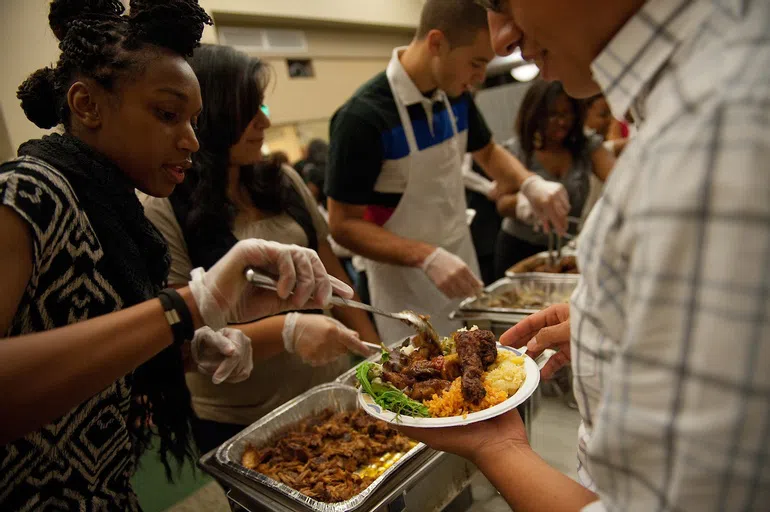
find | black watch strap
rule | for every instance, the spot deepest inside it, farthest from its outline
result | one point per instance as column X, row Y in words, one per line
column 177, row 314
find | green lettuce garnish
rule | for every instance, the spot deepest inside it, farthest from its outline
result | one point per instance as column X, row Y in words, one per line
column 386, row 395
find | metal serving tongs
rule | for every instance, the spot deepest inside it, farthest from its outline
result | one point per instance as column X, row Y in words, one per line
column 541, row 359
column 555, row 257
column 410, row 318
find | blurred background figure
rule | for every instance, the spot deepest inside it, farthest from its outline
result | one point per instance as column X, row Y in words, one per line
column 599, row 121
column 481, row 195
column 550, row 141
column 278, row 158
column 312, row 168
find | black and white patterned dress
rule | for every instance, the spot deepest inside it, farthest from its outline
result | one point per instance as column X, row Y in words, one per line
column 84, row 459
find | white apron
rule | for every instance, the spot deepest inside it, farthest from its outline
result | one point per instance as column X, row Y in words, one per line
column 431, row 210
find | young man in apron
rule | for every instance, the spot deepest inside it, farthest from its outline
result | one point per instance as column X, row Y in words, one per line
column 395, row 184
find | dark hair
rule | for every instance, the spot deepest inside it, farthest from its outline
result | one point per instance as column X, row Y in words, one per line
column 313, row 167
column 98, row 42
column 533, row 118
column 459, row 20
column 232, row 87
column 318, row 152
column 279, row 158
column 587, row 102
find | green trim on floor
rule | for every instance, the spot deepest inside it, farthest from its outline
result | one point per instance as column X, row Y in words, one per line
column 155, row 493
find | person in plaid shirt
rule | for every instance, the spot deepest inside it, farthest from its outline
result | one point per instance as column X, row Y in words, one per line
column 668, row 332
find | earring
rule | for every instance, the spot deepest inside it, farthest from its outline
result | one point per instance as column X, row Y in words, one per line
column 537, row 140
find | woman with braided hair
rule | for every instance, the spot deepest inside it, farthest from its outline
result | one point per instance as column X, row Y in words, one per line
column 94, row 345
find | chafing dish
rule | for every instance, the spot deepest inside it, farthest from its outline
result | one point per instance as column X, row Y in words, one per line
column 551, row 288
column 421, row 480
column 527, row 265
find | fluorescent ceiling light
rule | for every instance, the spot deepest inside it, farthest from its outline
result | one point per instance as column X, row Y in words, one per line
column 525, row 73
column 500, row 65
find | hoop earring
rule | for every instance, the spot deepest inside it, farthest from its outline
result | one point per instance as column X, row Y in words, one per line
column 537, row 140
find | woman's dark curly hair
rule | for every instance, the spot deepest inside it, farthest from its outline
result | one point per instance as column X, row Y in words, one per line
column 233, row 88
column 533, row 118
column 100, row 43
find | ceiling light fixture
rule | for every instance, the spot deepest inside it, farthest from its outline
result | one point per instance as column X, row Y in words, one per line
column 525, row 73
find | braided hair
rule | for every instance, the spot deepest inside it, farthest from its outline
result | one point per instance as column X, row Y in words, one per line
column 98, row 42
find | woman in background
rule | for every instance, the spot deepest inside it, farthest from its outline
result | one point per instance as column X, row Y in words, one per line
column 550, row 142
column 599, row 121
column 313, row 169
column 232, row 195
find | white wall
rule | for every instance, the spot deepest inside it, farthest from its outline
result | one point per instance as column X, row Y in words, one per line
column 385, row 13
column 500, row 106
column 27, row 44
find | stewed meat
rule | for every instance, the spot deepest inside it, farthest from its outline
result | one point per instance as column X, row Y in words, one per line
column 426, row 389
column 477, row 351
column 399, row 380
column 425, row 369
column 320, row 458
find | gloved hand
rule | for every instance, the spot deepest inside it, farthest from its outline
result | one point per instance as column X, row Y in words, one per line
column 451, row 275
column 549, row 200
column 319, row 339
column 494, row 193
column 223, row 295
column 524, row 211
column 224, row 354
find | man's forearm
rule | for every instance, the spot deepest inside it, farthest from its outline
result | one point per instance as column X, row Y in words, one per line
column 506, row 205
column 502, row 167
column 376, row 243
column 527, row 482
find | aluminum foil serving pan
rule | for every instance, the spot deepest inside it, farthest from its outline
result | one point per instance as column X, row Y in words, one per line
column 536, row 264
column 335, row 396
column 521, row 294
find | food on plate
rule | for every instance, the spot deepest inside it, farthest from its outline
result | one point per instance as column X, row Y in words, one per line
column 507, row 373
column 527, row 297
column 331, row 457
column 469, row 375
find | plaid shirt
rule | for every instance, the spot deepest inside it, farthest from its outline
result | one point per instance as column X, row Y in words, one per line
column 671, row 320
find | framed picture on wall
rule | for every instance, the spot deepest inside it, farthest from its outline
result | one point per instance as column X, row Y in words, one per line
column 300, row 68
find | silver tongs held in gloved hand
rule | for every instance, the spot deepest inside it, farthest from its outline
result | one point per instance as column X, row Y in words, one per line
column 554, row 257
column 420, row 324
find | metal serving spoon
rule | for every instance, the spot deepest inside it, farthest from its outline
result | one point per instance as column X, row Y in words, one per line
column 410, row 318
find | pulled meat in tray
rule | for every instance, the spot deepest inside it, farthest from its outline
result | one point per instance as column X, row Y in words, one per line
column 329, row 457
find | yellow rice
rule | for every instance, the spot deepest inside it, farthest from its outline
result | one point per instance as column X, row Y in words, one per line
column 502, row 381
column 452, row 403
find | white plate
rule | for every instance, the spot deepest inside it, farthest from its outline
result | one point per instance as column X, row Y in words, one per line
column 528, row 387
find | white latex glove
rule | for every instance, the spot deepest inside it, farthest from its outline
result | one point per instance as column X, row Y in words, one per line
column 319, row 340
column 549, row 200
column 224, row 354
column 451, row 275
column 223, row 295
column 524, row 211
column 494, row 193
